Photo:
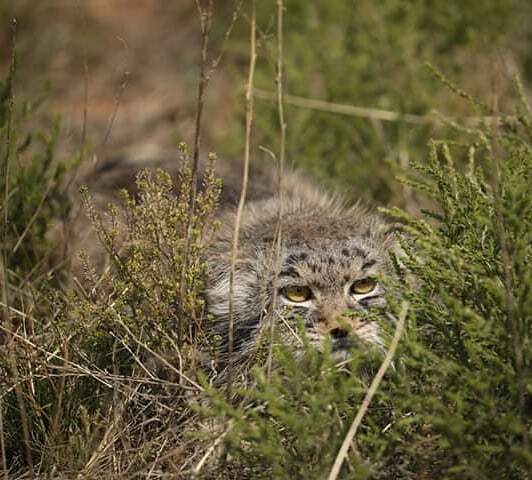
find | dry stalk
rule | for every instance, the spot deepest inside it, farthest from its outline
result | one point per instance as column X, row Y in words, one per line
column 243, row 192
column 211, row 449
column 12, row 359
column 373, row 113
column 348, row 440
column 58, row 414
column 109, row 437
column 279, row 80
column 118, row 97
column 205, row 23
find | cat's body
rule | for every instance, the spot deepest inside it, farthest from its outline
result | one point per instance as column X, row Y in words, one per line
column 326, row 248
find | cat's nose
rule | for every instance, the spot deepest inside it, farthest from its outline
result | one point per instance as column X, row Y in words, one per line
column 337, row 326
column 337, row 333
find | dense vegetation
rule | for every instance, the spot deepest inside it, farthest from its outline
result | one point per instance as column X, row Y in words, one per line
column 458, row 404
column 103, row 370
column 376, row 55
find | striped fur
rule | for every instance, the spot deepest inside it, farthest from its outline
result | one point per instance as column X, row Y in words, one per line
column 326, row 245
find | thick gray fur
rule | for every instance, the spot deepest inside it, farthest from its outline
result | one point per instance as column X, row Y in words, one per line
column 326, row 245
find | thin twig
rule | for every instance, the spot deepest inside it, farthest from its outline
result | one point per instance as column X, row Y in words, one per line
column 109, row 436
column 234, row 18
column 243, row 192
column 66, row 221
column 205, row 22
column 9, row 132
column 159, row 357
column 211, row 449
column 205, row 75
column 282, row 129
column 118, row 98
column 58, row 415
column 99, row 375
column 372, row 113
column 290, row 329
column 85, row 64
column 348, row 440
column 83, row 140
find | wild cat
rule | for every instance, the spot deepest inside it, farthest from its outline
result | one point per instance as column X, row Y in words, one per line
column 329, row 271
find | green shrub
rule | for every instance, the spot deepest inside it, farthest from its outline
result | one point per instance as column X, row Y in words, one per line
column 152, row 290
column 291, row 424
column 469, row 347
column 459, row 402
column 31, row 178
column 373, row 55
column 103, row 365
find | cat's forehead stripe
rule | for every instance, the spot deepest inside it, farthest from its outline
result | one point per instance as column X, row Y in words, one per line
column 368, row 263
column 297, row 257
column 289, row 272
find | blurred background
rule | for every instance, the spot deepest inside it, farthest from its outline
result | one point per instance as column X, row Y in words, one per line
column 122, row 76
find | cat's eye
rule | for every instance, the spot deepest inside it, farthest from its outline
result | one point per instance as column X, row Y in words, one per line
column 363, row 286
column 297, row 293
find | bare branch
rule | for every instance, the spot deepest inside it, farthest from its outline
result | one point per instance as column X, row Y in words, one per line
column 205, row 22
column 372, row 113
column 280, row 169
column 118, row 97
column 243, row 192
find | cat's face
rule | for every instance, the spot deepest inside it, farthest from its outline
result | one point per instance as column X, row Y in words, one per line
column 329, row 276
column 330, row 288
